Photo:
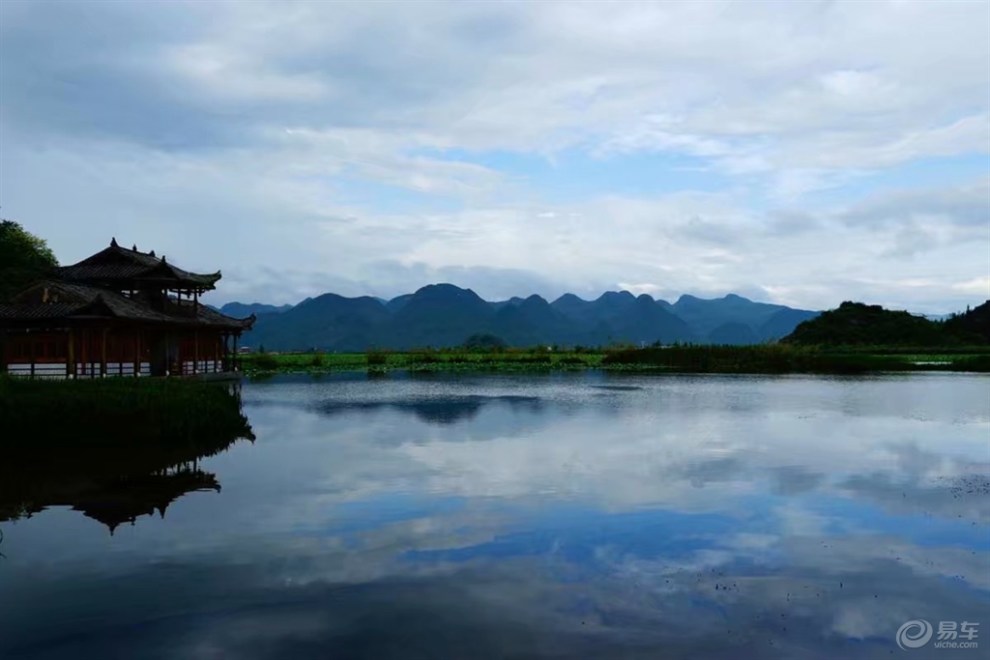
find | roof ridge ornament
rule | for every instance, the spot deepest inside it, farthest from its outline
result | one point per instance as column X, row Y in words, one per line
column 151, row 254
column 113, row 241
column 134, row 248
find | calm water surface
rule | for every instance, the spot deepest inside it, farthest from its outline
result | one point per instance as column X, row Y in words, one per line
column 579, row 515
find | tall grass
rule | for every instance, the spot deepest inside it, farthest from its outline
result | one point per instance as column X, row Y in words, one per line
column 116, row 410
column 377, row 358
column 768, row 358
column 775, row 358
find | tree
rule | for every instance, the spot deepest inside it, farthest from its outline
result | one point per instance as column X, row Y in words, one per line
column 24, row 258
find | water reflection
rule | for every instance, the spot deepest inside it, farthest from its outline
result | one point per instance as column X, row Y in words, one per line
column 109, row 479
column 446, row 410
column 674, row 517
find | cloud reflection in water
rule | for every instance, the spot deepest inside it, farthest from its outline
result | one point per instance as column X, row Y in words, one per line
column 495, row 517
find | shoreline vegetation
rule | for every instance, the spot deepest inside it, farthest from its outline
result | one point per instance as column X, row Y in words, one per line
column 758, row 359
column 852, row 339
column 118, row 412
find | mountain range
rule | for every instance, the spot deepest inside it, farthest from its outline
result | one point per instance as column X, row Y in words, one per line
column 442, row 315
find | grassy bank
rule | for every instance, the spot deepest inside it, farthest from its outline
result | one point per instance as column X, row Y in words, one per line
column 425, row 360
column 776, row 358
column 779, row 358
column 117, row 410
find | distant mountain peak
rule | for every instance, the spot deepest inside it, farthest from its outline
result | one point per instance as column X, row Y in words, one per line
column 617, row 296
column 439, row 286
column 445, row 314
column 537, row 299
column 443, row 289
column 241, row 310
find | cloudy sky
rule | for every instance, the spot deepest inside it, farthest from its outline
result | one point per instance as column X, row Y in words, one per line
column 803, row 153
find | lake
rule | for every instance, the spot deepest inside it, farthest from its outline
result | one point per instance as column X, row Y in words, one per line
column 568, row 515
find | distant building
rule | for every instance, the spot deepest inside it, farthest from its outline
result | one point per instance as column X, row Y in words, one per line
column 119, row 312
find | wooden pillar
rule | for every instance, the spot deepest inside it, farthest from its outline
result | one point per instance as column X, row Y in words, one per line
column 4, row 343
column 31, row 353
column 195, row 351
column 103, row 352
column 233, row 357
column 70, row 367
column 137, row 353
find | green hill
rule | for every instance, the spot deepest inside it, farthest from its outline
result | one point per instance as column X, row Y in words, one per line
column 972, row 327
column 860, row 324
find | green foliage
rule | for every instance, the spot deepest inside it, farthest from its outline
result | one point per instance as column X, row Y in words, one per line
column 377, row 358
column 426, row 359
column 24, row 258
column 785, row 358
column 116, row 410
column 265, row 361
column 979, row 363
column 857, row 324
column 971, row 327
column 739, row 359
column 424, row 356
column 683, row 358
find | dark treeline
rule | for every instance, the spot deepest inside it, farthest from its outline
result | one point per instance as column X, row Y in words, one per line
column 856, row 324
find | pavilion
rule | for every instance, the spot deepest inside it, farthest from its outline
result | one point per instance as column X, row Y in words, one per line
column 120, row 312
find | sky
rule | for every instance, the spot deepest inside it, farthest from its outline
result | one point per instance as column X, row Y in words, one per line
column 803, row 153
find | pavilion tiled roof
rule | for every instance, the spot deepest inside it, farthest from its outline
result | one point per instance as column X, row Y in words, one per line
column 119, row 264
column 69, row 300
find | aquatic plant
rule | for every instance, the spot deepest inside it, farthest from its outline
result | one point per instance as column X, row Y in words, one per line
column 116, row 410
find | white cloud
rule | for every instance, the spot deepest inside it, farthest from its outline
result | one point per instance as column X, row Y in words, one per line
column 333, row 137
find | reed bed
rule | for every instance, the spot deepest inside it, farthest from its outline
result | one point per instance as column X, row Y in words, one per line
column 116, row 410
